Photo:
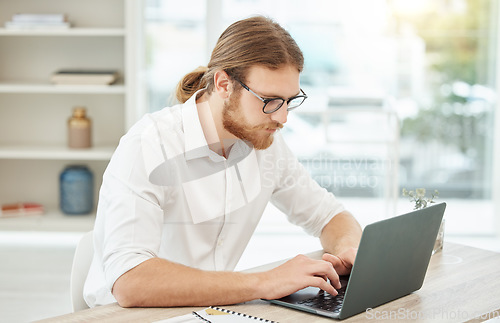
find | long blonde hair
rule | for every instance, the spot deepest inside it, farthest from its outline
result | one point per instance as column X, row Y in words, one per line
column 252, row 41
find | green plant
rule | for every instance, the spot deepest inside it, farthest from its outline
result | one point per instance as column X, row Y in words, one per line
column 418, row 197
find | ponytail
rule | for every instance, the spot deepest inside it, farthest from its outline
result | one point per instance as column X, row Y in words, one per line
column 191, row 83
column 252, row 41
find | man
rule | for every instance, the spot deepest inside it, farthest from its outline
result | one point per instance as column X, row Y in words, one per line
column 187, row 186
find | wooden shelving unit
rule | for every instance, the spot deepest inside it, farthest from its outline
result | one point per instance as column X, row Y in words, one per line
column 34, row 112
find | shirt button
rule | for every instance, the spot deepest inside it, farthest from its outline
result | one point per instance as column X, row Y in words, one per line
column 220, row 242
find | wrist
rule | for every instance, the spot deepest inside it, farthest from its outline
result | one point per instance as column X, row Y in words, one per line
column 259, row 285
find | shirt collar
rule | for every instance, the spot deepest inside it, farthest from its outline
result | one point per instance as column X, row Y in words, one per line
column 195, row 143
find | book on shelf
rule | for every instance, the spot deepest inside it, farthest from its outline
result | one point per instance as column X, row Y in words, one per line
column 20, row 209
column 30, row 25
column 24, row 21
column 39, row 17
column 85, row 77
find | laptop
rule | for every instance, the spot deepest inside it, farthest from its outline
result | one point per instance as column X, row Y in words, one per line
column 391, row 262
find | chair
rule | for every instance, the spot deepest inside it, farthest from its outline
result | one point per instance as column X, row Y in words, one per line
column 81, row 264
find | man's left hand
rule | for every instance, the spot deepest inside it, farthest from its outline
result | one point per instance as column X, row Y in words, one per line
column 342, row 263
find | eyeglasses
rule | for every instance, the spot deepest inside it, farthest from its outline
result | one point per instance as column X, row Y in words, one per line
column 274, row 104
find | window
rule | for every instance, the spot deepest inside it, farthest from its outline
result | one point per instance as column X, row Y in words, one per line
column 175, row 45
column 435, row 58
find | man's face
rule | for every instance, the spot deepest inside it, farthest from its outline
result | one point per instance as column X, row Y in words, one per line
column 242, row 115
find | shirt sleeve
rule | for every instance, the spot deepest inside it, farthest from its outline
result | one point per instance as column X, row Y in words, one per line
column 301, row 198
column 129, row 211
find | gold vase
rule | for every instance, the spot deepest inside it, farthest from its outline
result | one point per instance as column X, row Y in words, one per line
column 79, row 129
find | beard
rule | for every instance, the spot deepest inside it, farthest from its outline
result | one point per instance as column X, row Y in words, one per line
column 234, row 121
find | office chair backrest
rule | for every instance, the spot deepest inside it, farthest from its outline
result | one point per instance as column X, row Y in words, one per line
column 81, row 264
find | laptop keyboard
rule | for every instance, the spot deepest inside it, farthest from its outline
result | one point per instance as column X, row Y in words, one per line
column 326, row 301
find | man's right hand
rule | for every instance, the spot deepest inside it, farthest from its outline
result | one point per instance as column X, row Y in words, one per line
column 298, row 273
column 161, row 283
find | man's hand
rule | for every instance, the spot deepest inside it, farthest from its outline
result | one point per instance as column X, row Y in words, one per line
column 342, row 263
column 298, row 273
column 340, row 239
column 161, row 283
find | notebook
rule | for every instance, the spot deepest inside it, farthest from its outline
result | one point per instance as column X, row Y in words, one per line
column 391, row 262
column 214, row 314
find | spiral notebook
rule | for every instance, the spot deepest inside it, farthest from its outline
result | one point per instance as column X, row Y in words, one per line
column 215, row 315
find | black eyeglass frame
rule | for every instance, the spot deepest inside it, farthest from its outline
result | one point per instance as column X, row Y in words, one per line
column 266, row 101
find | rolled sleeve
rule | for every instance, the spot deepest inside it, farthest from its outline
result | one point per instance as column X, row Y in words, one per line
column 133, row 220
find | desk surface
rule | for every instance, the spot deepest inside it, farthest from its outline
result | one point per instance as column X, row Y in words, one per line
column 462, row 284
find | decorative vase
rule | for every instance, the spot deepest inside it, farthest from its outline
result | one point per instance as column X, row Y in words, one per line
column 79, row 129
column 438, row 244
column 76, row 190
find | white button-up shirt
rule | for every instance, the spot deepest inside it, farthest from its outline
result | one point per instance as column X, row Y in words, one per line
column 166, row 194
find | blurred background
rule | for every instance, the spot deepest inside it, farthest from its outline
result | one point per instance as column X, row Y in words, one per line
column 402, row 94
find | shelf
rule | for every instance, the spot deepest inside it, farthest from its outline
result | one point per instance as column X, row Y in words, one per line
column 51, row 221
column 41, row 152
column 18, row 87
column 34, row 111
column 93, row 32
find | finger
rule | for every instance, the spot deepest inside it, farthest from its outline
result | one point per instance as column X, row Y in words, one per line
column 335, row 281
column 324, row 285
column 323, row 276
column 340, row 266
column 334, row 260
column 330, row 272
